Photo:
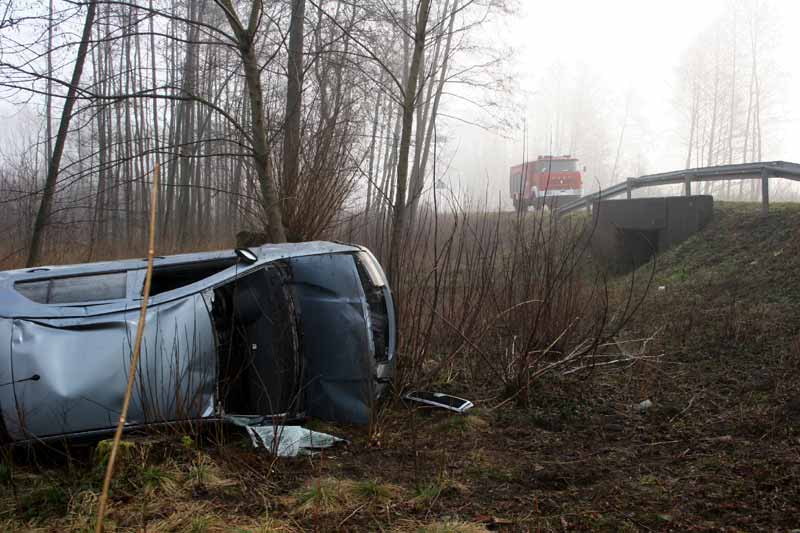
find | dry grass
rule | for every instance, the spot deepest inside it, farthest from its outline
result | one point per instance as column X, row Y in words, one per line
column 450, row 526
column 462, row 424
column 375, row 492
column 329, row 495
column 205, row 472
column 193, row 517
column 428, row 494
column 324, row 496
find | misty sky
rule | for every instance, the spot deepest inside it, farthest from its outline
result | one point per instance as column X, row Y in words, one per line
column 636, row 46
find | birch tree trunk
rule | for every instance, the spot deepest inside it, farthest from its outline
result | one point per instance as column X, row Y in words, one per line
column 694, row 111
column 732, row 110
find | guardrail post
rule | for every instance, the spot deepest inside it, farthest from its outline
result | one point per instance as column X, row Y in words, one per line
column 588, row 207
column 687, row 185
column 764, row 192
column 629, row 187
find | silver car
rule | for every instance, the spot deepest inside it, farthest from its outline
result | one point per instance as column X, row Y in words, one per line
column 288, row 329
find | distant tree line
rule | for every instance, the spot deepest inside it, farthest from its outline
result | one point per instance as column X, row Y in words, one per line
column 726, row 92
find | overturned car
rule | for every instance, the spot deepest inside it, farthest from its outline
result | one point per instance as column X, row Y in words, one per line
column 279, row 330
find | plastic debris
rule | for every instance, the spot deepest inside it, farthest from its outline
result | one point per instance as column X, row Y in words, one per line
column 286, row 441
column 290, row 441
column 440, row 400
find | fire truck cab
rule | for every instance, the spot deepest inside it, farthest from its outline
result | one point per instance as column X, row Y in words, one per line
column 548, row 181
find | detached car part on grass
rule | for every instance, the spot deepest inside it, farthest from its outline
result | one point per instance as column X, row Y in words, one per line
column 440, row 400
column 286, row 330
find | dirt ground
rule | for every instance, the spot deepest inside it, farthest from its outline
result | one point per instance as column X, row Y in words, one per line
column 718, row 448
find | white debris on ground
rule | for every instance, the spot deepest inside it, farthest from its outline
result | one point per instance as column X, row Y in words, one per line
column 281, row 440
column 290, row 441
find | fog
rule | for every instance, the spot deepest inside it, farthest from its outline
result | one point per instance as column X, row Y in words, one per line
column 627, row 87
column 627, row 57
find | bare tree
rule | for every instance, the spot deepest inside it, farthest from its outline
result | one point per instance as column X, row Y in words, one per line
column 294, row 98
column 167, row 85
column 712, row 90
column 61, row 137
column 409, row 102
column 245, row 41
column 426, row 122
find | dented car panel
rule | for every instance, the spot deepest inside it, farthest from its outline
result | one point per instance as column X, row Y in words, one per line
column 333, row 306
column 83, row 368
column 307, row 328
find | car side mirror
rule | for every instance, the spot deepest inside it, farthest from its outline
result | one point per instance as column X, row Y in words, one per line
column 246, row 255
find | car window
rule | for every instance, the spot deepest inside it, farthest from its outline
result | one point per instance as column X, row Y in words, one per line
column 169, row 278
column 75, row 289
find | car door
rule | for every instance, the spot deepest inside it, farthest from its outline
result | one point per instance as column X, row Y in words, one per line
column 81, row 364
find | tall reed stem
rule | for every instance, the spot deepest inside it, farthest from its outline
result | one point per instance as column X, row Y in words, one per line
column 137, row 348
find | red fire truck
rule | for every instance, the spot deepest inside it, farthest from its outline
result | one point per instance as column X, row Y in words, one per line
column 550, row 180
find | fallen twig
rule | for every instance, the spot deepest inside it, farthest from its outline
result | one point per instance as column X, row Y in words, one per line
column 691, row 401
column 351, row 515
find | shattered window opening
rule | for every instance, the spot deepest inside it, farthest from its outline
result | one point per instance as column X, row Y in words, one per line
column 169, row 278
column 75, row 289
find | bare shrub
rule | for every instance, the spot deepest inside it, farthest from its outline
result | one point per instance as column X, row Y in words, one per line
column 497, row 298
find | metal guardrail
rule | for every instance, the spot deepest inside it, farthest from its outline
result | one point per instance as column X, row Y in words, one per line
column 763, row 171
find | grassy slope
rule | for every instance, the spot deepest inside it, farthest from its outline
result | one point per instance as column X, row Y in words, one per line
column 740, row 278
column 727, row 307
column 718, row 449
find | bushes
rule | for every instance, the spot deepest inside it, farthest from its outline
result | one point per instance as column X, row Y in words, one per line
column 486, row 296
